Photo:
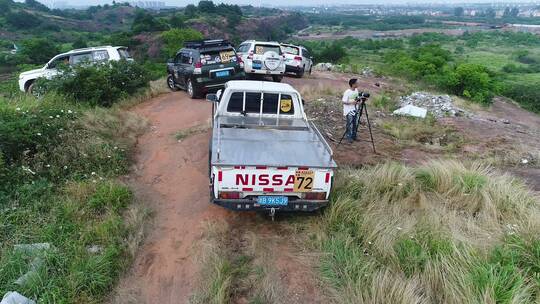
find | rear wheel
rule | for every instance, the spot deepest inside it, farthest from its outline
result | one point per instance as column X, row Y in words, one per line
column 171, row 84
column 191, row 90
column 277, row 78
column 300, row 74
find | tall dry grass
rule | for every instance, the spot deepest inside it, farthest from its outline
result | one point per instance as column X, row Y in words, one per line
column 445, row 232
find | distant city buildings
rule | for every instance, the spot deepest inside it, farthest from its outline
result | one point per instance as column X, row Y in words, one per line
column 153, row 5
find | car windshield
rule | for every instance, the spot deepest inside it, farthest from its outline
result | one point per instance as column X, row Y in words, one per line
column 290, row 50
column 217, row 57
column 261, row 49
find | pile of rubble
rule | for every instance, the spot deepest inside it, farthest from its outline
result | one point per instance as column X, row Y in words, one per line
column 437, row 105
column 323, row 66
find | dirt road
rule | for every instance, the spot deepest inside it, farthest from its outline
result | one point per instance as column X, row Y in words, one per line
column 171, row 178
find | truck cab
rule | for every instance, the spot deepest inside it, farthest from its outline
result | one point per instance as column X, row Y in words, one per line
column 264, row 153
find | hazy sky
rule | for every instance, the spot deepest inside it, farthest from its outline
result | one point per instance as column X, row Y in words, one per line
column 289, row 2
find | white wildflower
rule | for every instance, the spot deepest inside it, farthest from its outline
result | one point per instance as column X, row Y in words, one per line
column 39, row 134
column 93, row 173
column 65, row 167
column 18, row 109
column 69, row 111
column 399, row 228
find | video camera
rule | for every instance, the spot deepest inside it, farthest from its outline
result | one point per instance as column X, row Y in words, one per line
column 362, row 96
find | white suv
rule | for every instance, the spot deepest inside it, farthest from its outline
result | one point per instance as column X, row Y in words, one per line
column 297, row 59
column 93, row 54
column 262, row 58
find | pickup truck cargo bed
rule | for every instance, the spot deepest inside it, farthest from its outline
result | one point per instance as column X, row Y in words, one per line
column 257, row 145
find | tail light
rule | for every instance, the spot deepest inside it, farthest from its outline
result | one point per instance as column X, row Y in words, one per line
column 315, row 196
column 298, row 58
column 240, row 61
column 250, row 55
column 198, row 66
column 229, row 195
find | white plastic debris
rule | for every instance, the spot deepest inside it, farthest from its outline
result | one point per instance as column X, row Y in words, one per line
column 13, row 297
column 411, row 110
column 437, row 105
column 524, row 161
column 34, row 250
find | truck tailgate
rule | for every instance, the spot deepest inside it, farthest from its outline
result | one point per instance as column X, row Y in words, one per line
column 262, row 180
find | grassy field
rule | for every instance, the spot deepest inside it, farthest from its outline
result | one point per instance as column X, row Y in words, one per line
column 512, row 61
column 445, row 232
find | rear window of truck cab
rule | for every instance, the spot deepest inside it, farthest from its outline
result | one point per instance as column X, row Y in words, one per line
column 250, row 103
column 218, row 57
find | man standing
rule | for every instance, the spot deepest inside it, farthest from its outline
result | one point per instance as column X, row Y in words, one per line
column 349, row 109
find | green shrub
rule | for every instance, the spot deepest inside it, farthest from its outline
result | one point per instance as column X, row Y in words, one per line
column 174, row 39
column 527, row 95
column 38, row 50
column 98, row 84
column 27, row 131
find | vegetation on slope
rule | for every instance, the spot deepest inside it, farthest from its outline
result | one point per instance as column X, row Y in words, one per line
column 444, row 232
column 59, row 162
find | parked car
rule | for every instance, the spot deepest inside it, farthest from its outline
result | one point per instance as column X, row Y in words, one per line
column 204, row 66
column 264, row 152
column 297, row 59
column 73, row 57
column 262, row 59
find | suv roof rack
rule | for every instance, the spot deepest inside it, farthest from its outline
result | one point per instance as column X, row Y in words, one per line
column 206, row 43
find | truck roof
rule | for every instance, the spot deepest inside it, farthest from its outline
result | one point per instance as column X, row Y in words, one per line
column 264, row 86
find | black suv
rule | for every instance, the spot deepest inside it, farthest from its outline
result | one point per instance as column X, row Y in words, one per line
column 204, row 66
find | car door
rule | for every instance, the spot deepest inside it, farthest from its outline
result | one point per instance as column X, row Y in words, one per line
column 176, row 69
column 81, row 58
column 306, row 57
column 186, row 67
column 52, row 67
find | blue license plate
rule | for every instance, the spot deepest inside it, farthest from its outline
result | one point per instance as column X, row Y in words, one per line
column 222, row 74
column 273, row 200
column 257, row 65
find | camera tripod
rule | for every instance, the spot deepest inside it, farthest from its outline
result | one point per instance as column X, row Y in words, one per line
column 357, row 118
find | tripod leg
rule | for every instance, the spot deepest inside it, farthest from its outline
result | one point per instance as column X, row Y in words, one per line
column 369, row 127
column 347, row 126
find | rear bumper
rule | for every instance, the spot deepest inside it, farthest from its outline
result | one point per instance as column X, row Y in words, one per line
column 210, row 84
column 292, row 69
column 252, row 205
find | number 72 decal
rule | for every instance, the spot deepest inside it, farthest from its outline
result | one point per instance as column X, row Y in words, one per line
column 303, row 181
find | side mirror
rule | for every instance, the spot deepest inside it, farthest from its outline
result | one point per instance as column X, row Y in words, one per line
column 212, row 97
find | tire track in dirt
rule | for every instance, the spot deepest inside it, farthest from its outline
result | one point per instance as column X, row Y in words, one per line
column 170, row 177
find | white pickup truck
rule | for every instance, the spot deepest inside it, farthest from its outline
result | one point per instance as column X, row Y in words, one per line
column 264, row 153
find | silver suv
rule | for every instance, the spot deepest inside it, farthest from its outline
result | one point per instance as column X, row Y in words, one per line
column 73, row 57
column 297, row 59
column 262, row 58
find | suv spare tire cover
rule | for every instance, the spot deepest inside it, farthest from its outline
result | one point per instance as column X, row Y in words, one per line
column 272, row 60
